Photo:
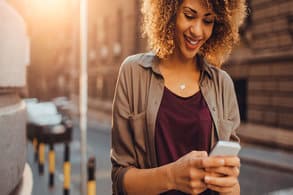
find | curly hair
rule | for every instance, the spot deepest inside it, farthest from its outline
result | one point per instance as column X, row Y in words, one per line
column 159, row 26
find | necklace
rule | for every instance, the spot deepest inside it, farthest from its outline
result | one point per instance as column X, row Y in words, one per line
column 182, row 86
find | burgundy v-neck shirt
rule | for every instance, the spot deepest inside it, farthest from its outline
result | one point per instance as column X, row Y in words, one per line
column 182, row 125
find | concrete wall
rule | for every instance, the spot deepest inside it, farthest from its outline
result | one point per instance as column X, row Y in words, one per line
column 12, row 142
column 13, row 48
column 13, row 60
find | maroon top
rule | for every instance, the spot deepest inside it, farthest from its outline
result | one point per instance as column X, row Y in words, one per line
column 182, row 125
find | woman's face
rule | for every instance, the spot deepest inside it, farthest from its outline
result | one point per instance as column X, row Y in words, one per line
column 193, row 27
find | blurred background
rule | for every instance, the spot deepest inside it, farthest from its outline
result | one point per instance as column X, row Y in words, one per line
column 261, row 67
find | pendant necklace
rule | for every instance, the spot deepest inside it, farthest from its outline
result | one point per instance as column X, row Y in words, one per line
column 182, row 86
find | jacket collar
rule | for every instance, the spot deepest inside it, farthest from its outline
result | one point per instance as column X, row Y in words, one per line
column 150, row 60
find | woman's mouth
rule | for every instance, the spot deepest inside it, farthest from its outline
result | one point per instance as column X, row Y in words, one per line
column 191, row 43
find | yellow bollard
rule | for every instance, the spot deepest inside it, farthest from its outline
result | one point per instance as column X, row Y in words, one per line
column 67, row 170
column 41, row 158
column 91, row 184
column 51, row 165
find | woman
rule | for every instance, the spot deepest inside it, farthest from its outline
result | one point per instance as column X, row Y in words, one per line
column 171, row 106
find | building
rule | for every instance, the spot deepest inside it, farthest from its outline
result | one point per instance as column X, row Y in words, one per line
column 114, row 33
column 262, row 68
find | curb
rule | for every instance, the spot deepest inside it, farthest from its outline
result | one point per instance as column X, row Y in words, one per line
column 269, row 158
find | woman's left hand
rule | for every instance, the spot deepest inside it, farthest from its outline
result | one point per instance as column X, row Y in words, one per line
column 223, row 179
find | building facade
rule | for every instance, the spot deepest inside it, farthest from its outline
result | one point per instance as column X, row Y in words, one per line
column 114, row 33
column 262, row 66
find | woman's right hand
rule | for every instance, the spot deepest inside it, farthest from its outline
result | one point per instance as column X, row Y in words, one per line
column 187, row 173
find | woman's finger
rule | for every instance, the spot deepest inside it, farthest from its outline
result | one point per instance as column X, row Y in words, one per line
column 221, row 181
column 232, row 161
column 213, row 162
column 225, row 171
column 213, row 174
column 220, row 189
column 197, row 184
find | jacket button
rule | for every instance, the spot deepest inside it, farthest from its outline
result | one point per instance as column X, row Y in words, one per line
column 214, row 109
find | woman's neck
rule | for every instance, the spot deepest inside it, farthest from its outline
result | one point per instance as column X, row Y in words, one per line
column 179, row 64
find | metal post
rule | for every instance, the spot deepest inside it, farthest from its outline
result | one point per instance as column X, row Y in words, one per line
column 83, row 93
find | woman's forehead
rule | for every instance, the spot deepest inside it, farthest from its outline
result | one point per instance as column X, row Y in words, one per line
column 202, row 5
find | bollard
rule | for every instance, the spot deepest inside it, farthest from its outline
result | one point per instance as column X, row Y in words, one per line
column 66, row 170
column 91, row 184
column 41, row 158
column 51, row 165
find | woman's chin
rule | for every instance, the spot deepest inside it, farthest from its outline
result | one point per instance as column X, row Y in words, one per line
column 188, row 55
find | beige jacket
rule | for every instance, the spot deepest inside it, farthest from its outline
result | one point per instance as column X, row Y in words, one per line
column 137, row 98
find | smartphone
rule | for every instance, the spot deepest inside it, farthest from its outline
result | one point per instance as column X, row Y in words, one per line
column 225, row 148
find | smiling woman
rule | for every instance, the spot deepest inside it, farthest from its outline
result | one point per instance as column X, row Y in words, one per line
column 173, row 104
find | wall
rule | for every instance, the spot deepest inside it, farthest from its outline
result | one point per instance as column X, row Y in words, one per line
column 265, row 61
column 14, row 49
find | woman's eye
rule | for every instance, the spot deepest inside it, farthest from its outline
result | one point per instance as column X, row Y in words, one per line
column 209, row 21
column 188, row 16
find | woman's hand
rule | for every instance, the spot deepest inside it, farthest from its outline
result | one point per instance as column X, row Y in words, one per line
column 187, row 174
column 222, row 179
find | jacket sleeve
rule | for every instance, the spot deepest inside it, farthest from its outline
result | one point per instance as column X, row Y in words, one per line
column 122, row 149
column 232, row 107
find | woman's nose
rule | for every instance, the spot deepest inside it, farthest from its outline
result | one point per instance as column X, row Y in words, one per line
column 196, row 29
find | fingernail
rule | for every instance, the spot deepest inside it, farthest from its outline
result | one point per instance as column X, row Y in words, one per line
column 205, row 154
column 207, row 178
column 222, row 161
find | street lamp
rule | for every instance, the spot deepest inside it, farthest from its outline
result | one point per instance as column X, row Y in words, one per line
column 83, row 93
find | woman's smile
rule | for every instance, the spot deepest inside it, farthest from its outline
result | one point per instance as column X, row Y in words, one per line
column 191, row 43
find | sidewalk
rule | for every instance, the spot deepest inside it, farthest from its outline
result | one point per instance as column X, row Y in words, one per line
column 266, row 157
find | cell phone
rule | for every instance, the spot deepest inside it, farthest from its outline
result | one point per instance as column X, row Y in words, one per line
column 225, row 148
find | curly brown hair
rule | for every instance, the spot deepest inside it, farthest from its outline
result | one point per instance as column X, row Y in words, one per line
column 159, row 26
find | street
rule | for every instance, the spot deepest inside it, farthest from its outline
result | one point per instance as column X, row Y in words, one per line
column 98, row 140
column 254, row 179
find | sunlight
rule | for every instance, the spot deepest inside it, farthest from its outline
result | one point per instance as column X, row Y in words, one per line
column 49, row 7
column 50, row 14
